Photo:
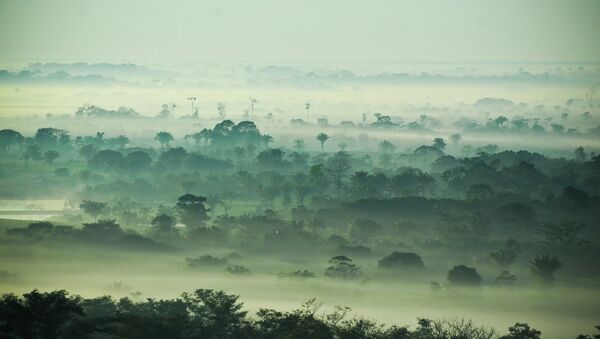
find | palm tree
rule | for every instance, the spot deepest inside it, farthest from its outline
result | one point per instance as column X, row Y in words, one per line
column 544, row 266
column 197, row 137
column 206, row 135
column 322, row 137
column 121, row 141
column 164, row 138
column 307, row 108
column 173, row 110
column 252, row 102
column 192, row 100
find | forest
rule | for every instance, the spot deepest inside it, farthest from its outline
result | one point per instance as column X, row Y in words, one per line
column 447, row 219
column 299, row 169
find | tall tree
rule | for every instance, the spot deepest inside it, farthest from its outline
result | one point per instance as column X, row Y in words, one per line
column 192, row 211
column 322, row 137
column 163, row 138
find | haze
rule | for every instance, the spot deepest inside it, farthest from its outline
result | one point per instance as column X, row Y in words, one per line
column 300, row 169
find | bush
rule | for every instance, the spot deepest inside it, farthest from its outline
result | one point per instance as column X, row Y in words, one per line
column 464, row 276
column 401, row 260
column 205, row 260
column 237, row 270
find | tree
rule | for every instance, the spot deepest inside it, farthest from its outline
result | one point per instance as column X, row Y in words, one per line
column 272, row 157
column 32, row 152
column 266, row 139
column 215, row 315
column 50, row 156
column 543, row 267
column 580, row 155
column 505, row 278
column 401, row 260
column 197, row 137
column 299, row 144
column 387, row 147
column 102, row 230
column 307, row 108
column 93, row 208
column 594, row 336
column 107, row 159
column 221, row 109
column 455, row 138
column 562, row 236
column 87, row 151
column 504, row 257
column 138, row 161
column 439, row 143
column 38, row 314
column 342, row 268
column 479, row 192
column 411, row 181
column 10, row 138
column 192, row 211
column 163, row 138
column 462, row 275
column 51, row 136
column 120, row 141
column 337, row 166
column 322, row 137
column 164, row 225
column 522, row 331
column 173, row 158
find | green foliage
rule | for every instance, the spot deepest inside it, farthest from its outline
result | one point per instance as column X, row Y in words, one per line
column 522, row 331
column 342, row 268
column 192, row 210
column 462, row 275
column 544, row 266
column 93, row 208
column 401, row 260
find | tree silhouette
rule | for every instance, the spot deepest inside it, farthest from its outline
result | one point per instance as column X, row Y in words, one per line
column 544, row 266
column 580, row 154
column 192, row 211
column 522, row 331
column 10, row 138
column 462, row 275
column 253, row 101
column 164, row 225
column 299, row 144
column 387, row 147
column 266, row 140
column 307, row 108
column 221, row 109
column 32, row 152
column 455, row 138
column 322, row 137
column 439, row 143
column 342, row 268
column 50, row 156
column 87, row 151
column 401, row 260
column 163, row 138
column 93, row 208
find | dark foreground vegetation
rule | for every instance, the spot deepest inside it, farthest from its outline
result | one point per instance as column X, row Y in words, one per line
column 212, row 314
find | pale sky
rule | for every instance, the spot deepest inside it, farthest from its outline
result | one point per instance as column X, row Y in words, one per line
column 307, row 30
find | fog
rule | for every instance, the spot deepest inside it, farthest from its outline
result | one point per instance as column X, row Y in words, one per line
column 248, row 170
